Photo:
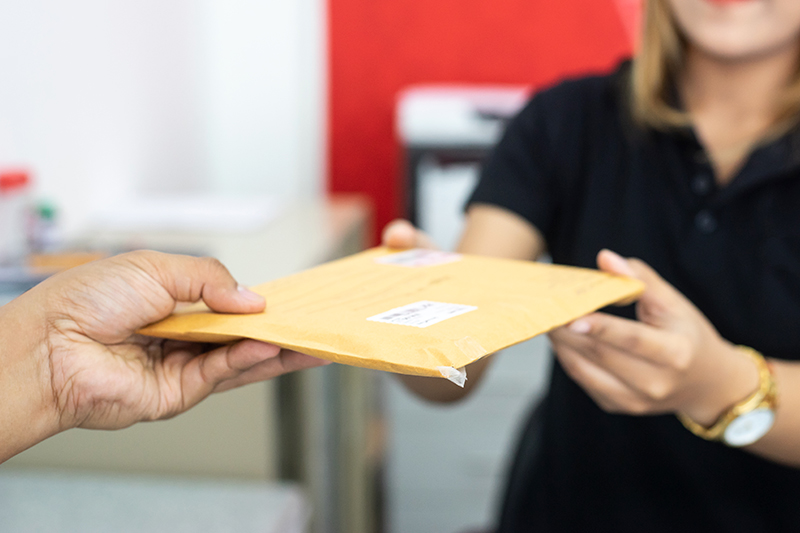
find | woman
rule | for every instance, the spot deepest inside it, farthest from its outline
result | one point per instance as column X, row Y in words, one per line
column 688, row 159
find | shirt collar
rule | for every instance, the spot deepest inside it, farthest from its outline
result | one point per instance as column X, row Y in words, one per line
column 773, row 160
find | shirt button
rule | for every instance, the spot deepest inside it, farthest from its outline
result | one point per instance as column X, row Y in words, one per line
column 701, row 184
column 705, row 221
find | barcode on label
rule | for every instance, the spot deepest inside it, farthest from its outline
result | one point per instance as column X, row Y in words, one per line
column 419, row 257
column 422, row 314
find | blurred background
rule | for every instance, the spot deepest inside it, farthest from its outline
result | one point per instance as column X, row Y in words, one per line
column 274, row 135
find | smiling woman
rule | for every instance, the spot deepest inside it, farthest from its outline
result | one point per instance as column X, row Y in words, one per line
column 688, row 159
column 725, row 33
column 738, row 30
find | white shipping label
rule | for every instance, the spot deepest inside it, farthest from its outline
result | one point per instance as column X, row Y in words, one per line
column 419, row 257
column 422, row 314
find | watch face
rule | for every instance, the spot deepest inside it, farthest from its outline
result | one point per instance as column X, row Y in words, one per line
column 749, row 427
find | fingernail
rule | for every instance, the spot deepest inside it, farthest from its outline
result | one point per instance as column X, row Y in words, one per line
column 621, row 264
column 249, row 295
column 580, row 326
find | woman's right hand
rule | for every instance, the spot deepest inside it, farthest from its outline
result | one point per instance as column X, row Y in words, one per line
column 400, row 233
column 490, row 231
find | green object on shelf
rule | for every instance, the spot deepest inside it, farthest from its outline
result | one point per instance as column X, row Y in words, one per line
column 46, row 211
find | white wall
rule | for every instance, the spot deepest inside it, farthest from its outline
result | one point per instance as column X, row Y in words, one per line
column 108, row 98
column 265, row 81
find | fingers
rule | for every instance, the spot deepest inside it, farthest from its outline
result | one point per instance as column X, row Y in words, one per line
column 402, row 234
column 201, row 374
column 639, row 340
column 286, row 361
column 650, row 364
column 644, row 379
column 637, row 367
column 614, row 263
column 608, row 391
column 660, row 302
column 399, row 234
column 188, row 279
column 244, row 362
column 610, row 262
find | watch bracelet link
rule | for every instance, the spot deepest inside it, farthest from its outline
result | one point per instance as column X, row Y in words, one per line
column 767, row 391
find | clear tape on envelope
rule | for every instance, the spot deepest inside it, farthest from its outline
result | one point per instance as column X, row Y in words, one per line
column 456, row 375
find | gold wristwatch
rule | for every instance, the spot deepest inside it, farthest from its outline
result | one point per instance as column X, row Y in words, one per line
column 747, row 421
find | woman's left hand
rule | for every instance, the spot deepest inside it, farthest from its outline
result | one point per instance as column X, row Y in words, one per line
column 671, row 360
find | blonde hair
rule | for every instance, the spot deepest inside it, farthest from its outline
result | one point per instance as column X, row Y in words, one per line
column 659, row 61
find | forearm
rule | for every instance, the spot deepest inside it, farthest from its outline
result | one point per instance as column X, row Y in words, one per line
column 782, row 443
column 26, row 415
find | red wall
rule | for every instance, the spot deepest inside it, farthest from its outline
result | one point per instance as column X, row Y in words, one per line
column 377, row 47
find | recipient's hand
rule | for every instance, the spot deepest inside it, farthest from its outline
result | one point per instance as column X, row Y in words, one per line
column 100, row 374
column 671, row 360
column 402, row 234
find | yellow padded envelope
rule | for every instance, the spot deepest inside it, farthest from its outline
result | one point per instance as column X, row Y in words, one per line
column 415, row 312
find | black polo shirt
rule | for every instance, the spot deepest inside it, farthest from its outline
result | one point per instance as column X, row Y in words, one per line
column 574, row 165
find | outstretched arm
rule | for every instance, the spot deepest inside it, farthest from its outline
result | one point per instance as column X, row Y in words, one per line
column 69, row 355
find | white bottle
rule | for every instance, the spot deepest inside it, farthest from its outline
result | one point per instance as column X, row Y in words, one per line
column 14, row 204
column 44, row 235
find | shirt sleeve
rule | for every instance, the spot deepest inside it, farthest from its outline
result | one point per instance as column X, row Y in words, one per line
column 519, row 175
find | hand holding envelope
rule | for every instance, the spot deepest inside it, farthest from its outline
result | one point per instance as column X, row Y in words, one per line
column 418, row 312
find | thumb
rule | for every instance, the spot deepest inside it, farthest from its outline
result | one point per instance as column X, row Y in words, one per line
column 189, row 279
column 402, row 234
column 659, row 298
